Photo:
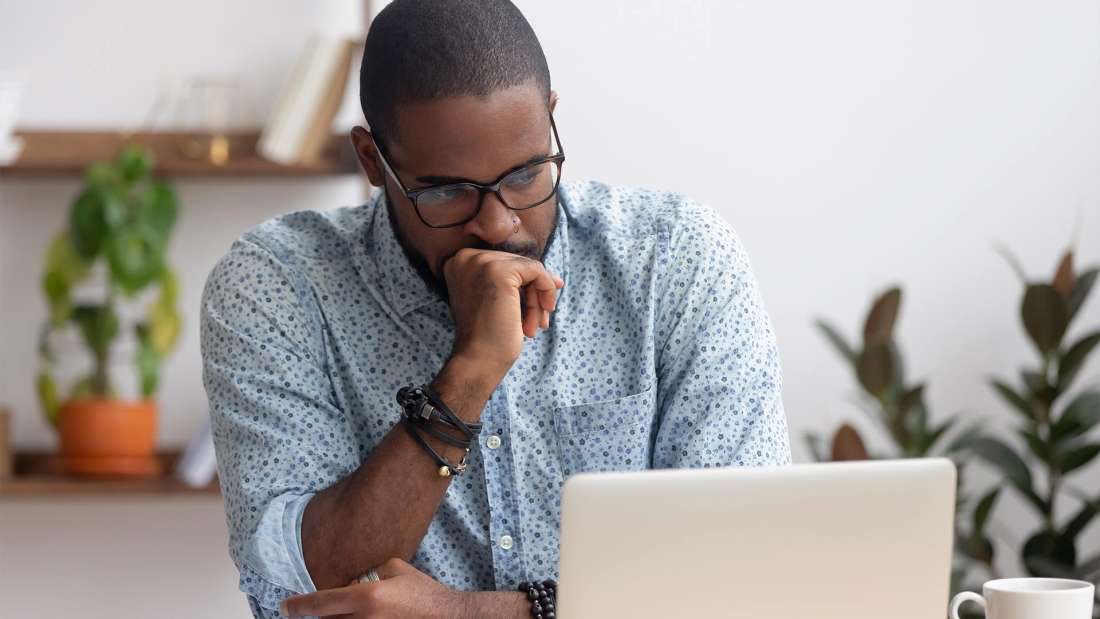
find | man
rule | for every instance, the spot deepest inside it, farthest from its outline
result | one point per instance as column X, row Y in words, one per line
column 585, row 327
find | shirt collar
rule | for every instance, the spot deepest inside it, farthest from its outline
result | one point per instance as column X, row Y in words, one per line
column 403, row 287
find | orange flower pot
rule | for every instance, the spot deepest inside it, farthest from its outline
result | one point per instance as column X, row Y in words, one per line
column 108, row 437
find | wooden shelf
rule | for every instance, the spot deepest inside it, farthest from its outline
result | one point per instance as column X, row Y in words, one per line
column 38, row 474
column 68, row 153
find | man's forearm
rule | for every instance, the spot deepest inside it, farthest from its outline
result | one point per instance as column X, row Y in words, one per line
column 498, row 605
column 383, row 509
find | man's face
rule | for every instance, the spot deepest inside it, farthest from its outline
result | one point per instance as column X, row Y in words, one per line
column 457, row 139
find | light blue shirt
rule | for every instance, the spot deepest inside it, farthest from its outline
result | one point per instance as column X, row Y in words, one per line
column 659, row 355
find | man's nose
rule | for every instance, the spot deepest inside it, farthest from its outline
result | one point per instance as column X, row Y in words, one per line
column 494, row 223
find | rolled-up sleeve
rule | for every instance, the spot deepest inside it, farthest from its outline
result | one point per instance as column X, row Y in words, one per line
column 278, row 434
column 717, row 362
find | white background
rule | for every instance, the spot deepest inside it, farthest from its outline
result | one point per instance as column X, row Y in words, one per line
column 852, row 144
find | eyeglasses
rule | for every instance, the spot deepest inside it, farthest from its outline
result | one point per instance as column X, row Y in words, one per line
column 453, row 204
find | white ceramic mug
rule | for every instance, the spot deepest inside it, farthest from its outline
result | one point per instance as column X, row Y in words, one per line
column 1031, row 598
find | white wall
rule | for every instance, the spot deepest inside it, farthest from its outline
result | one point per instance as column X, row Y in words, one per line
column 852, row 144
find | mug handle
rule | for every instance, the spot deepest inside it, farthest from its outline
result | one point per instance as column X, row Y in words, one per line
column 960, row 599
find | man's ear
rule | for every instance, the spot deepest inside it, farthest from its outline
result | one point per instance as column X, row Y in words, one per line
column 368, row 156
column 553, row 100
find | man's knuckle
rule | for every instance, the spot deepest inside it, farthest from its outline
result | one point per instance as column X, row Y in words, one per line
column 371, row 597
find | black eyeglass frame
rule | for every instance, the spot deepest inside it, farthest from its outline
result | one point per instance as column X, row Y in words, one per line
column 493, row 187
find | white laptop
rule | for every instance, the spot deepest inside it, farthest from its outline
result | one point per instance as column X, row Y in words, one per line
column 817, row 541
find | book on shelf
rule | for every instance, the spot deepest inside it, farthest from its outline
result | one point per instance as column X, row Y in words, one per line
column 300, row 123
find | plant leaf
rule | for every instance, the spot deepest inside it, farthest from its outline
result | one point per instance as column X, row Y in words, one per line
column 879, row 327
column 911, row 398
column 1074, row 359
column 1034, row 381
column 134, row 163
column 1078, row 457
column 847, row 445
column 47, row 396
column 1089, row 568
column 876, row 368
column 1011, row 465
column 64, row 268
column 62, row 258
column 813, row 444
column 158, row 209
column 98, row 324
column 102, row 175
column 977, row 547
column 1080, row 521
column 965, row 439
column 147, row 361
column 169, row 286
column 1044, row 567
column 1080, row 416
column 838, row 342
column 984, row 509
column 1064, row 279
column 1016, row 400
column 56, row 288
column 930, row 439
column 87, row 226
column 83, row 388
column 1081, row 291
column 164, row 327
column 136, row 257
column 1036, row 445
column 1048, row 554
column 1005, row 458
column 1045, row 316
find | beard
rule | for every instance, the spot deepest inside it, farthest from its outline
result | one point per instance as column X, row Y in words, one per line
column 438, row 285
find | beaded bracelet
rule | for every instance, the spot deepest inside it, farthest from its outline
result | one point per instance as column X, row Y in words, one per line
column 543, row 596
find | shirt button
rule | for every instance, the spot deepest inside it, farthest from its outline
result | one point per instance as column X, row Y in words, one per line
column 506, row 542
column 493, row 441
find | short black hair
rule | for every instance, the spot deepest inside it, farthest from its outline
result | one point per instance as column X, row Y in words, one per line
column 424, row 50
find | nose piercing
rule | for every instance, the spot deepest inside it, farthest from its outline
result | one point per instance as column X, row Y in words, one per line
column 515, row 225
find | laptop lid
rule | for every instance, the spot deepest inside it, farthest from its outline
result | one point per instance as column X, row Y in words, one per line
column 857, row 540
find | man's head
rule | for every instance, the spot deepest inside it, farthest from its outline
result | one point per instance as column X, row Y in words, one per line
column 455, row 90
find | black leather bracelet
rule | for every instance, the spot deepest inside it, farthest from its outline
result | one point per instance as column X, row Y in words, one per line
column 446, row 468
column 421, row 407
column 543, row 596
column 423, row 404
column 469, row 430
column 450, row 439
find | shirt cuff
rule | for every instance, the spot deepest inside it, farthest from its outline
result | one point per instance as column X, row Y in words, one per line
column 273, row 566
column 264, row 597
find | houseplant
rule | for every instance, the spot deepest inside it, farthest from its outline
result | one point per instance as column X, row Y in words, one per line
column 114, row 244
column 1055, row 432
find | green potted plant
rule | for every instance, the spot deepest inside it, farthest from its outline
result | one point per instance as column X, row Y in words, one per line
column 114, row 242
column 1056, row 425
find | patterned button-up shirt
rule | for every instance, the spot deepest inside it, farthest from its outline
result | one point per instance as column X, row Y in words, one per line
column 659, row 355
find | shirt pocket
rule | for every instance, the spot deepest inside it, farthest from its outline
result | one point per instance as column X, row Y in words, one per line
column 612, row 435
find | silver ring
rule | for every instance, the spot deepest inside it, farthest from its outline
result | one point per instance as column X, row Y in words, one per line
column 370, row 576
